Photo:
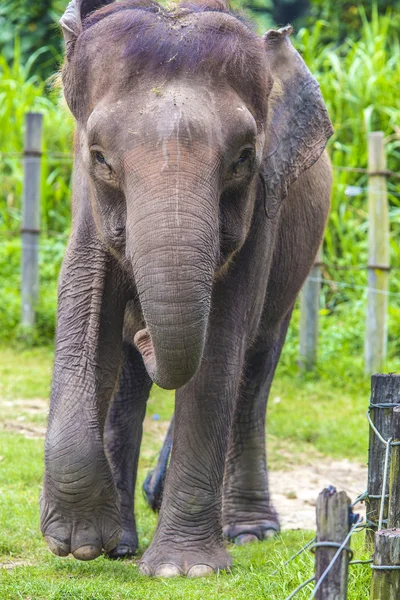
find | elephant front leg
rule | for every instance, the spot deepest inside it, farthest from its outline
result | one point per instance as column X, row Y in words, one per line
column 79, row 505
column 188, row 540
column 123, row 435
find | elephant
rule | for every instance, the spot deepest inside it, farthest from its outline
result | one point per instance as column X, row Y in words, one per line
column 201, row 189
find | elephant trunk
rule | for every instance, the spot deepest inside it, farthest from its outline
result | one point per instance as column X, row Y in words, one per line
column 172, row 241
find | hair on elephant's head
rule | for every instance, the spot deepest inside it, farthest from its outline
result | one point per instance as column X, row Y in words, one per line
column 182, row 116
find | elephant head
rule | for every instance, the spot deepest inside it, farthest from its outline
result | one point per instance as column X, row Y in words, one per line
column 185, row 120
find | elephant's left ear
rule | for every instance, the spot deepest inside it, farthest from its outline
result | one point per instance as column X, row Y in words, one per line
column 298, row 125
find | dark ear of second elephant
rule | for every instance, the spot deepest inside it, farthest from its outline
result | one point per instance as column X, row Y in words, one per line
column 153, row 485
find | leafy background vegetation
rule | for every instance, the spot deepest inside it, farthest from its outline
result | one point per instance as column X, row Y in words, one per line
column 356, row 59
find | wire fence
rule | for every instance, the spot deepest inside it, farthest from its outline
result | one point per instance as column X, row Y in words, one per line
column 360, row 524
column 68, row 155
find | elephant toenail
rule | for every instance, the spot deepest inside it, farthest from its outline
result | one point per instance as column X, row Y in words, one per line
column 200, row 571
column 167, row 570
column 121, row 551
column 246, row 538
column 56, row 546
column 269, row 533
column 144, row 569
column 87, row 552
column 113, row 540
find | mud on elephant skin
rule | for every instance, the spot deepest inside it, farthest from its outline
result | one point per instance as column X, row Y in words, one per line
column 200, row 195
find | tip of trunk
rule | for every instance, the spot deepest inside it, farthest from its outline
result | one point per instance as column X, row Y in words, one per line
column 161, row 377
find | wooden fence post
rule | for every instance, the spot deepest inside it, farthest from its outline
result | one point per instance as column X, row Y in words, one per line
column 332, row 526
column 386, row 582
column 394, row 479
column 385, row 393
column 31, row 217
column 378, row 256
column 309, row 311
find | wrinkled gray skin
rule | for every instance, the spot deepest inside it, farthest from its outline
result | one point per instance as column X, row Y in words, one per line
column 185, row 259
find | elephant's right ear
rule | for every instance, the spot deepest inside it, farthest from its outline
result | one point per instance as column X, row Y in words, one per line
column 298, row 126
column 72, row 19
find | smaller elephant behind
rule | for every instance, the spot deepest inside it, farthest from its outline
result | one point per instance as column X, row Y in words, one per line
column 200, row 195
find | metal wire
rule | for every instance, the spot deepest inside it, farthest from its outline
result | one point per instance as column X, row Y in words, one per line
column 353, row 286
column 385, row 567
column 300, row 587
column 360, row 498
column 383, row 405
column 359, row 525
column 385, row 474
column 331, row 545
column 366, row 171
column 377, row 432
column 295, row 555
column 334, row 559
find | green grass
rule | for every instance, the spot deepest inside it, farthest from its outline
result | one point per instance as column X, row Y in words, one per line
column 37, row 575
column 308, row 418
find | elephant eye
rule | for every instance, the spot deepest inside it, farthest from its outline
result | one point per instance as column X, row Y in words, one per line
column 243, row 163
column 99, row 156
column 245, row 155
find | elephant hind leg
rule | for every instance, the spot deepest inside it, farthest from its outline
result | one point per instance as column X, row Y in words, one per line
column 154, row 483
column 248, row 514
column 123, row 435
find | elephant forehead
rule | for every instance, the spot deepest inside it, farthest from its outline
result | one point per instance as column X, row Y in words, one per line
column 177, row 111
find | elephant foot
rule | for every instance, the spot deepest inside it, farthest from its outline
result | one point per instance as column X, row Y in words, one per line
column 167, row 561
column 127, row 546
column 252, row 531
column 85, row 534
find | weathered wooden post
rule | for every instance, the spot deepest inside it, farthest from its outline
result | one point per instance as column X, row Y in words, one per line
column 31, row 217
column 378, row 256
column 309, row 311
column 386, row 581
column 385, row 395
column 332, row 528
column 394, row 479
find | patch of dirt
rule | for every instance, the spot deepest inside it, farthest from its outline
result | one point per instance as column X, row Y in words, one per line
column 30, row 405
column 295, row 492
column 12, row 564
column 28, row 430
